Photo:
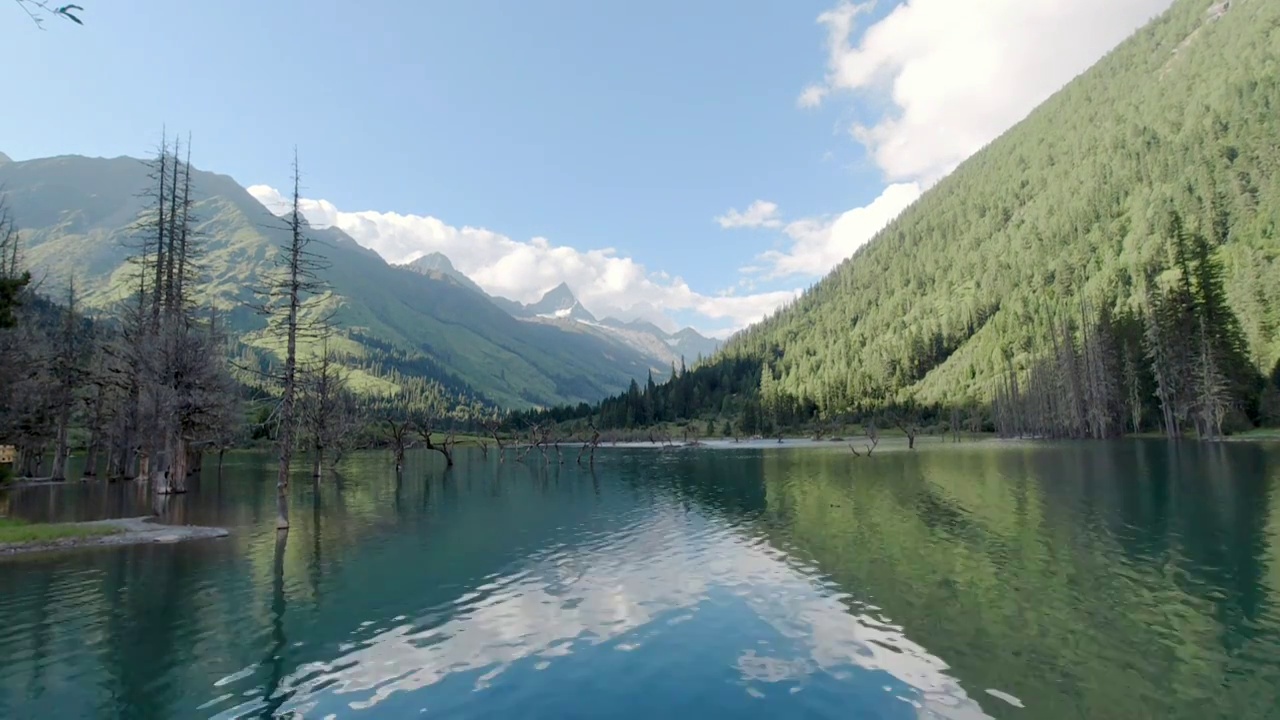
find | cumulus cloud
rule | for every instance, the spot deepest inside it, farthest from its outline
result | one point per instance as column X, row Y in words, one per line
column 812, row 96
column 760, row 213
column 818, row 245
column 606, row 283
column 954, row 76
column 958, row 74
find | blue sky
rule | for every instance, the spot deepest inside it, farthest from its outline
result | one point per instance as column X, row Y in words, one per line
column 588, row 124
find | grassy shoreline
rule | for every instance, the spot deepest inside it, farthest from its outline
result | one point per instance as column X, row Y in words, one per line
column 19, row 537
column 17, row 531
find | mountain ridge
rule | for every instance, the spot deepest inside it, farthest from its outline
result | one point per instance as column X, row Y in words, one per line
column 76, row 216
column 560, row 306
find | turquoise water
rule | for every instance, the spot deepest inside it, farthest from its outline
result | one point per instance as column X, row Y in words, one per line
column 1126, row 580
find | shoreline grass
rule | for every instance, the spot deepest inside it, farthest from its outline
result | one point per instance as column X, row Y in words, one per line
column 14, row 530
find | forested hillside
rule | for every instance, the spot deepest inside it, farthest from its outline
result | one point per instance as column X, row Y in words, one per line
column 402, row 332
column 1132, row 217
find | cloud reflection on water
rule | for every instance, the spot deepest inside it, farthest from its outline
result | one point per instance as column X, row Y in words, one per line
column 566, row 599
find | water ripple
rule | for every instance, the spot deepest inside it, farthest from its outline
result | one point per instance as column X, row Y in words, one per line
column 568, row 600
column 747, row 582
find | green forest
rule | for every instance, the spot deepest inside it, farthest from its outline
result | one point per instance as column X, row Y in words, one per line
column 1113, row 255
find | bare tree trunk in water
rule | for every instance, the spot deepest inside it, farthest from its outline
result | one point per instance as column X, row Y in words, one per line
column 293, row 299
column 91, row 457
column 282, row 475
column 159, row 502
column 275, row 661
column 60, row 452
column 170, row 474
column 159, row 475
column 135, row 464
column 112, row 460
column 397, row 431
column 178, row 464
column 283, row 303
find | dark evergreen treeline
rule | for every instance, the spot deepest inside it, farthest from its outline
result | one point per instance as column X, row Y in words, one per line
column 1176, row 364
column 727, row 389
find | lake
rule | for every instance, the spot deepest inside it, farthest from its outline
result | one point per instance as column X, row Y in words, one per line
column 1136, row 579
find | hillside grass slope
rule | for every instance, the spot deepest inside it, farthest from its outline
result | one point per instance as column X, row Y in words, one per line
column 77, row 219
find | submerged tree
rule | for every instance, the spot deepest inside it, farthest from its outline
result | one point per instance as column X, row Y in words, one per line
column 176, row 390
column 284, row 299
column 68, row 372
column 398, row 433
column 445, row 447
column 327, row 410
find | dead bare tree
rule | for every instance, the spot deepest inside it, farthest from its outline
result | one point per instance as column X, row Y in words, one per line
column 199, row 401
column 293, row 290
column 178, row 354
column 591, row 445
column 327, row 410
column 873, row 439
column 539, row 437
column 397, row 433
column 691, row 436
column 555, row 443
column 68, row 374
column 493, row 425
column 444, row 448
column 217, row 421
column 27, row 377
column 907, row 420
column 544, row 441
column 106, row 400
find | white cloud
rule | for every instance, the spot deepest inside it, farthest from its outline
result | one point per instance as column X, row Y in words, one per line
column 958, row 74
column 606, row 283
column 760, row 213
column 812, row 96
column 817, row 245
column 954, row 75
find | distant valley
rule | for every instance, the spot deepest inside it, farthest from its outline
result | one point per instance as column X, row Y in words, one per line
column 422, row 324
column 559, row 307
